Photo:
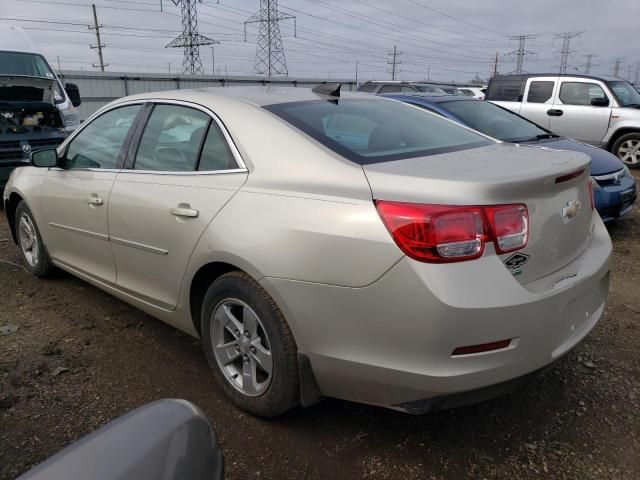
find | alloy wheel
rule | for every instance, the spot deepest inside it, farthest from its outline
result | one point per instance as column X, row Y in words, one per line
column 241, row 347
column 629, row 152
column 28, row 240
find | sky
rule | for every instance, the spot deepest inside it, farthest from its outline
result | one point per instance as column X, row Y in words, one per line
column 439, row 40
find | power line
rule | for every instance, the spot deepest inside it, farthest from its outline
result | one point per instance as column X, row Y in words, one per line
column 270, row 58
column 456, row 19
column 190, row 40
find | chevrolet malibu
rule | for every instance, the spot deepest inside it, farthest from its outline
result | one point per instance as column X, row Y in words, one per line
column 322, row 244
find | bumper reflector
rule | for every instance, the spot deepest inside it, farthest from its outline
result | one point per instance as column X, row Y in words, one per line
column 484, row 347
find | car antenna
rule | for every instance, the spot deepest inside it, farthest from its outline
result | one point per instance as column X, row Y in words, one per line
column 329, row 89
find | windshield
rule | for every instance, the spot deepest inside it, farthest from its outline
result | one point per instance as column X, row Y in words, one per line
column 493, row 120
column 371, row 131
column 28, row 64
column 627, row 95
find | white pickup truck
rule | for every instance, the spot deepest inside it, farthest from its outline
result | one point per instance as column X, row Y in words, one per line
column 602, row 111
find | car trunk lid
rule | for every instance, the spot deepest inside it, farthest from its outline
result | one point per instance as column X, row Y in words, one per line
column 553, row 185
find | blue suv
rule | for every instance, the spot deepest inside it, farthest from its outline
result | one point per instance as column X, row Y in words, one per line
column 614, row 186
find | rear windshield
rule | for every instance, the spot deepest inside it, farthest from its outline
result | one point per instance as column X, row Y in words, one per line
column 371, row 131
column 493, row 120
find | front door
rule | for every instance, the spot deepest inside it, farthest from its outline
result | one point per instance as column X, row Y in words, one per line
column 75, row 199
column 182, row 174
column 573, row 115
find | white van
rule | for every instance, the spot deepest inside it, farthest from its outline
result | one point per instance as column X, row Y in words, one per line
column 36, row 112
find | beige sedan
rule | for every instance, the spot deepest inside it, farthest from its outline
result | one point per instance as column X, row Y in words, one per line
column 323, row 244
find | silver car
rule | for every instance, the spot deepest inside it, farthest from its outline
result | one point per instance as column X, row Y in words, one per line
column 322, row 244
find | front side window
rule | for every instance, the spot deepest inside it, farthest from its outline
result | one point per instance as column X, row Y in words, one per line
column 580, row 93
column 540, row 92
column 370, row 131
column 172, row 139
column 100, row 144
column 493, row 120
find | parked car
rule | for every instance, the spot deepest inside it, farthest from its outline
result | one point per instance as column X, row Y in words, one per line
column 168, row 439
column 601, row 111
column 35, row 111
column 473, row 92
column 615, row 187
column 392, row 87
column 352, row 246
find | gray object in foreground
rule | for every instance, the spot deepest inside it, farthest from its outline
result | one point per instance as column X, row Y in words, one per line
column 168, row 439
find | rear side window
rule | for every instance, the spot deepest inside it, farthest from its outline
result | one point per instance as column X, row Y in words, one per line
column 371, row 131
column 540, row 92
column 367, row 87
column 580, row 93
column 216, row 154
column 405, row 88
column 172, row 139
column 390, row 89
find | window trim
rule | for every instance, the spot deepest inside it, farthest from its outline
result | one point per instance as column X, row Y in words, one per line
column 136, row 133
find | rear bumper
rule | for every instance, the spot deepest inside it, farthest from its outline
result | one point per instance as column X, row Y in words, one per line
column 391, row 343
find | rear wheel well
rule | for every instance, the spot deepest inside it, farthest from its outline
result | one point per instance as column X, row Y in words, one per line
column 10, row 210
column 619, row 133
column 200, row 284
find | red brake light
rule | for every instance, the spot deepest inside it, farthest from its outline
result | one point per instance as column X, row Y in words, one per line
column 449, row 233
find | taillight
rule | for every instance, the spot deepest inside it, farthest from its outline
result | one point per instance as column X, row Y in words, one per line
column 449, row 233
column 510, row 225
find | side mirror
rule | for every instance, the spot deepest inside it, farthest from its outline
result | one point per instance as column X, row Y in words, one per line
column 74, row 94
column 45, row 158
column 168, row 439
column 600, row 102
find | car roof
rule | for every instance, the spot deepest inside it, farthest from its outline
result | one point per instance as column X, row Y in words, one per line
column 604, row 78
column 256, row 95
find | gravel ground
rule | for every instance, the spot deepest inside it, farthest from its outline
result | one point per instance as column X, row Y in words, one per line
column 81, row 358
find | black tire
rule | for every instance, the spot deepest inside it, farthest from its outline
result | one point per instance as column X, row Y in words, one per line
column 283, row 391
column 620, row 141
column 41, row 266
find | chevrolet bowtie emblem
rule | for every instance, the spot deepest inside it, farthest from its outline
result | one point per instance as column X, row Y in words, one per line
column 571, row 210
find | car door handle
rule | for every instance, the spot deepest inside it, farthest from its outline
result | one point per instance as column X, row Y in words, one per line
column 554, row 112
column 184, row 210
column 94, row 200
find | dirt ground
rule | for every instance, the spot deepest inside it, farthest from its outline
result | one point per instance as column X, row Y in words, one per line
column 581, row 420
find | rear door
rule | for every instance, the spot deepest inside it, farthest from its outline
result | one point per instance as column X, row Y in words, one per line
column 181, row 172
column 75, row 199
column 537, row 99
column 573, row 115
